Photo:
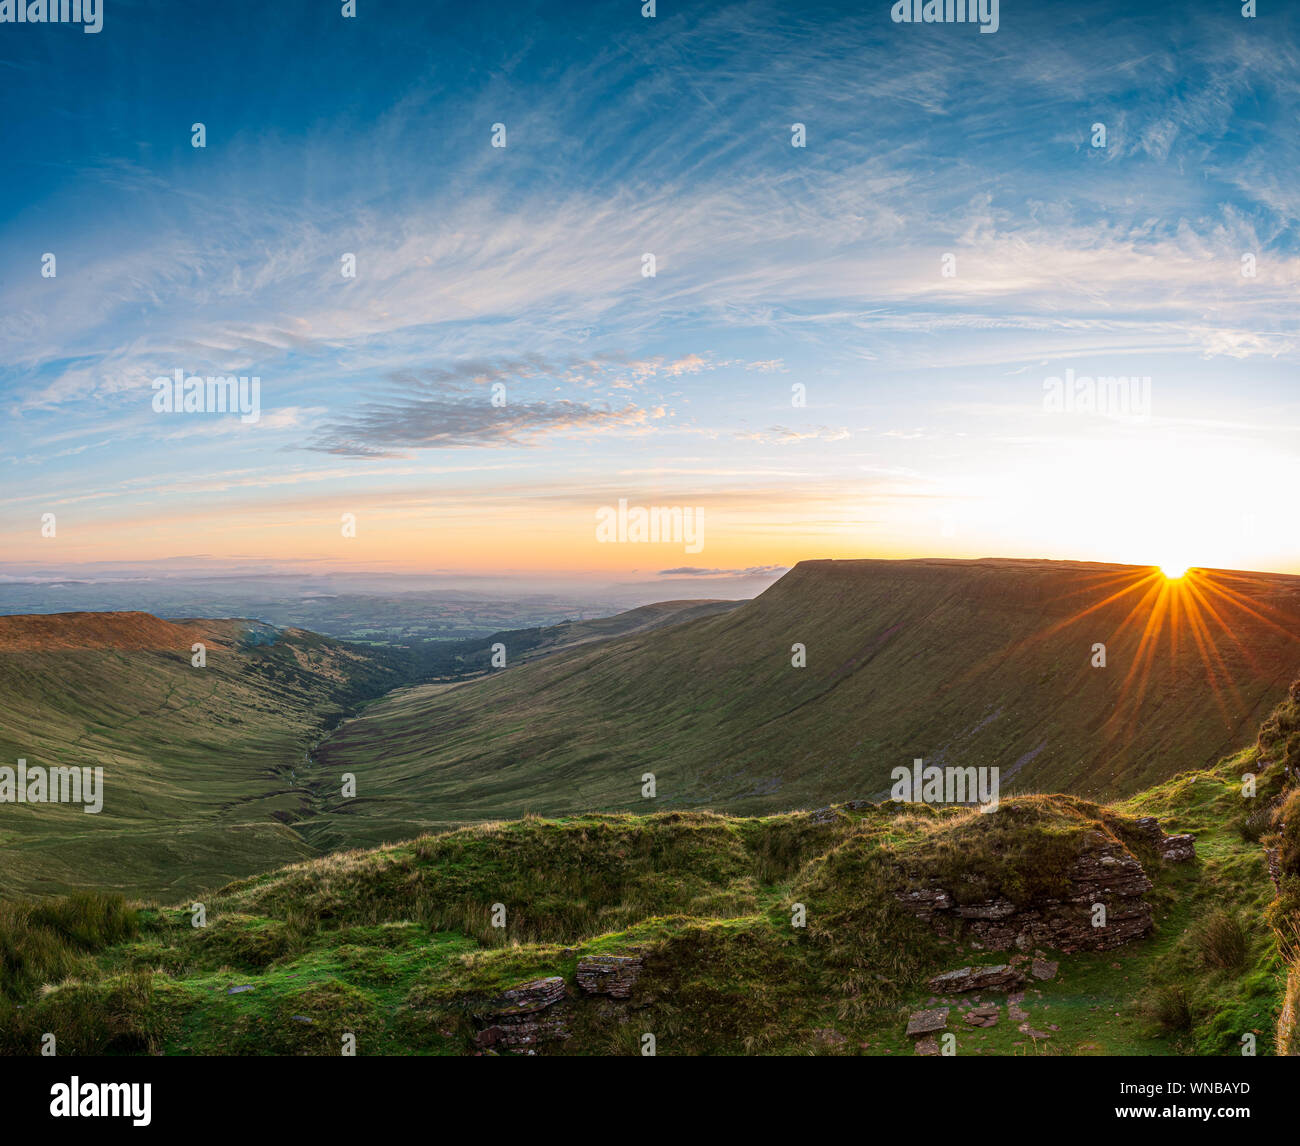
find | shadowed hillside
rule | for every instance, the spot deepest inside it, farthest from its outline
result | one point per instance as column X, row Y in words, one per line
column 959, row 662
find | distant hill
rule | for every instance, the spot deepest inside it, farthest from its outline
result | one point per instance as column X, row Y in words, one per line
column 232, row 769
column 47, row 632
column 644, row 619
column 958, row 662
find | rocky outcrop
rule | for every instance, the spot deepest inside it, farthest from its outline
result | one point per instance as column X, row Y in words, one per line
column 1172, row 849
column 829, row 815
column 999, row 978
column 524, row 1016
column 537, row 1012
column 612, row 975
column 1104, row 872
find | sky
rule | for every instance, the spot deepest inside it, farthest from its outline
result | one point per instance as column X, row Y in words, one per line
column 846, row 349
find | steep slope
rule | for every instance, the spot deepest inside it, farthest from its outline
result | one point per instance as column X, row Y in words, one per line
column 985, row 663
column 1276, row 823
column 201, row 765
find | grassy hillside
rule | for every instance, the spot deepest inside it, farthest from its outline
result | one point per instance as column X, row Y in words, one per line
column 1276, row 823
column 202, row 766
column 208, row 771
column 959, row 662
column 396, row 946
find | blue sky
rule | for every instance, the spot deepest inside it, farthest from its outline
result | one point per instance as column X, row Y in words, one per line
column 924, row 430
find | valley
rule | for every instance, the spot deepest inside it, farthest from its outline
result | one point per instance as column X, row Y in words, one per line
column 199, row 763
column 221, row 771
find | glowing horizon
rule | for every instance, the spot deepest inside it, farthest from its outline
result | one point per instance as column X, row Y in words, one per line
column 1074, row 352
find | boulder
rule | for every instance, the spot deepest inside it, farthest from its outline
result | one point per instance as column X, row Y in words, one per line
column 1043, row 969
column 1002, row 977
column 927, row 1022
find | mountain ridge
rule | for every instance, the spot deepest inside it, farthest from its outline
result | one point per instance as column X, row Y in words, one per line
column 958, row 662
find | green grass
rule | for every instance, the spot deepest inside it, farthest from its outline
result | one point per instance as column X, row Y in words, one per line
column 395, row 946
column 205, row 771
column 1222, row 962
column 49, row 940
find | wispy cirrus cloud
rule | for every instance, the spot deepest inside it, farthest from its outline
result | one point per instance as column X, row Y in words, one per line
column 785, row 436
column 469, row 404
column 392, row 430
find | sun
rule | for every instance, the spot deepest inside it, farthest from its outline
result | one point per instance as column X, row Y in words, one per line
column 1173, row 570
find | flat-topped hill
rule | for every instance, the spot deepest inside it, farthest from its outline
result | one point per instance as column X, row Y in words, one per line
column 970, row 663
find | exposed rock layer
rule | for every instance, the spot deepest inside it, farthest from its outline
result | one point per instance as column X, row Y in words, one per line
column 1105, row 872
column 612, row 975
column 999, row 978
column 524, row 1016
